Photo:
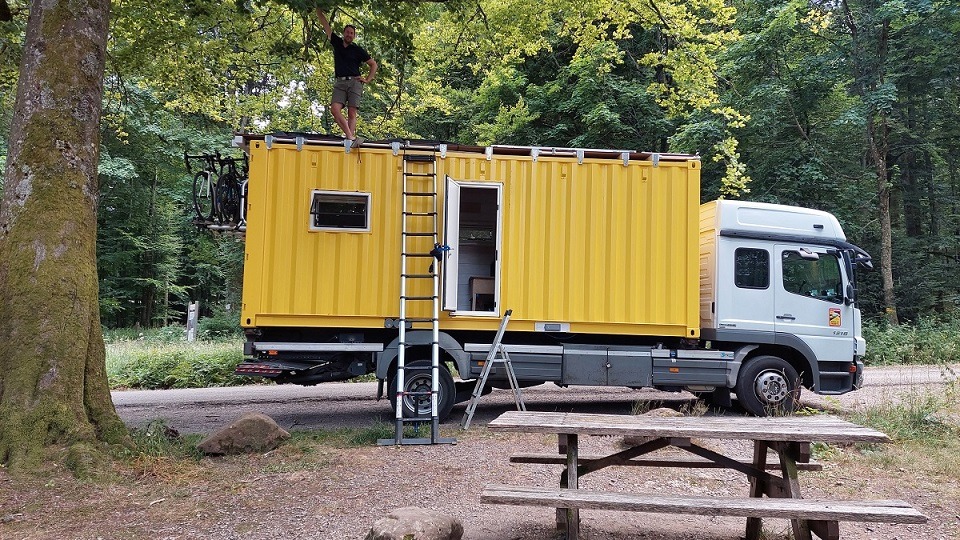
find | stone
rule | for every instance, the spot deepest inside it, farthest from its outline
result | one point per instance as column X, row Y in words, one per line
column 252, row 432
column 412, row 523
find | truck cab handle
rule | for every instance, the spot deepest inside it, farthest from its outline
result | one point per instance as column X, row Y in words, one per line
column 786, row 317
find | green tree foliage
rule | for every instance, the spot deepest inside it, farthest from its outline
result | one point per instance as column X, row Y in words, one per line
column 778, row 96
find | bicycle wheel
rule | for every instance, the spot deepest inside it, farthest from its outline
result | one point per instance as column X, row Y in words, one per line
column 203, row 196
column 228, row 199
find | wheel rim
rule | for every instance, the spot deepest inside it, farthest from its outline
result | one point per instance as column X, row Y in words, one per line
column 772, row 387
column 419, row 404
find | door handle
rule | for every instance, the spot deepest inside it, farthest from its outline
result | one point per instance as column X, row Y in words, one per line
column 786, row 317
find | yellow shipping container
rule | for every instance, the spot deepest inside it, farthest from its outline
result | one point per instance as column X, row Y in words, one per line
column 595, row 242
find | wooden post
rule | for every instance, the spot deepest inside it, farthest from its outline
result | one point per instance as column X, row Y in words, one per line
column 757, row 488
column 789, row 452
column 573, row 482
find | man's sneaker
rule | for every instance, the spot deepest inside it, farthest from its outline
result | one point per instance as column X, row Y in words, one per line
column 357, row 142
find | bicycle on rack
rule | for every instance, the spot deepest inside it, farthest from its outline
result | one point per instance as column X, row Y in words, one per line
column 231, row 191
column 204, row 186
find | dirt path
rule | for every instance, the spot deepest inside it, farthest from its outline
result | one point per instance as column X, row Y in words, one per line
column 332, row 405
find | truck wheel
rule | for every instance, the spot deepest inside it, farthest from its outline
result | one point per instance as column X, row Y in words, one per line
column 768, row 385
column 416, row 377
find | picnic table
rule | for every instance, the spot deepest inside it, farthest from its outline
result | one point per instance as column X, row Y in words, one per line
column 789, row 437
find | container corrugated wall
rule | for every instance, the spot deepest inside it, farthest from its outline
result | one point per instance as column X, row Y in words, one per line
column 605, row 247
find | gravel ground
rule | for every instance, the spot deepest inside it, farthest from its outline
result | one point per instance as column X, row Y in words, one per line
column 321, row 491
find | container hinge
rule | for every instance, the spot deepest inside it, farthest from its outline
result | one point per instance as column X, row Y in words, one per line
column 656, row 160
column 443, row 151
column 534, row 152
column 299, row 141
column 268, row 140
column 489, row 153
column 395, row 146
column 626, row 158
column 580, row 154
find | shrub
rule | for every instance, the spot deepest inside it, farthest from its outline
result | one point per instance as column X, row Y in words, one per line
column 927, row 341
column 173, row 365
column 223, row 324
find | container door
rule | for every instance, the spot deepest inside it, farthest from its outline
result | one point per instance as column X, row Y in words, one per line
column 809, row 301
column 471, row 269
column 451, row 237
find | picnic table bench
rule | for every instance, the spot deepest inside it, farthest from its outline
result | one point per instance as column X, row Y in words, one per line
column 789, row 437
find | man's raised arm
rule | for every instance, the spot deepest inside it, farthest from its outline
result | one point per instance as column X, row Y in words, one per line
column 326, row 24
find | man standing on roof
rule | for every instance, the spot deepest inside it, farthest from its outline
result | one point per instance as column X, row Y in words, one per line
column 347, row 57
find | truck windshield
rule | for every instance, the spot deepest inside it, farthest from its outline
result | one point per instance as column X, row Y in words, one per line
column 818, row 278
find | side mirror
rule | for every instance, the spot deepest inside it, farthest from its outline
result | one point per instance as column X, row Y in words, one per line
column 848, row 298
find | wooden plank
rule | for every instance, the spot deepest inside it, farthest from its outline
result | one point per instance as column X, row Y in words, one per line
column 820, row 428
column 676, row 463
column 815, row 509
column 758, row 486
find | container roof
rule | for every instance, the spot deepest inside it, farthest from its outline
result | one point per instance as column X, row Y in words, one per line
column 316, row 139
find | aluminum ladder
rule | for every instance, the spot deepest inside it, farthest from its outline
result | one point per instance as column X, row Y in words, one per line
column 419, row 242
column 496, row 348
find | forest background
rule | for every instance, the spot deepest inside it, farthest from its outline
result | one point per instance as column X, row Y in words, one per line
column 850, row 106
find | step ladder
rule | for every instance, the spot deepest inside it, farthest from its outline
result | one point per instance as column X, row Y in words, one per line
column 497, row 354
column 419, row 245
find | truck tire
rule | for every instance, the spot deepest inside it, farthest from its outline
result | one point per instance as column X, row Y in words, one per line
column 768, row 386
column 417, row 379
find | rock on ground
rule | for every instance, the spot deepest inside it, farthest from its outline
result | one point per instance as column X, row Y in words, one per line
column 413, row 523
column 252, row 432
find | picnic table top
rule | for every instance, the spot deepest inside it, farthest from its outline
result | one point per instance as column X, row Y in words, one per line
column 821, row 428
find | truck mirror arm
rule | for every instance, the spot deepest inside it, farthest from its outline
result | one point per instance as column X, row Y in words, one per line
column 848, row 297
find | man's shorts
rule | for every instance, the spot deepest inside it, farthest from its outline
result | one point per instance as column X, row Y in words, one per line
column 347, row 92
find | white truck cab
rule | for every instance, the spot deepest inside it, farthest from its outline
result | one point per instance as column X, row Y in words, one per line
column 781, row 278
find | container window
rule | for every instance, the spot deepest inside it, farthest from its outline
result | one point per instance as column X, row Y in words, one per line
column 752, row 268
column 818, row 278
column 339, row 211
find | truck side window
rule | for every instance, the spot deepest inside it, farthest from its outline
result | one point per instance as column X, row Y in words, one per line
column 751, row 268
column 818, row 279
column 337, row 210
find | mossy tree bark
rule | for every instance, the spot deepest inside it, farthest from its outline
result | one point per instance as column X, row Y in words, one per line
column 54, row 398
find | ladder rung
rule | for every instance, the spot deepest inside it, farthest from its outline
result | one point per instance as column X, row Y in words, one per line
column 419, row 393
column 419, row 194
column 419, row 419
column 420, row 234
column 419, row 157
column 419, row 276
column 418, row 297
column 419, row 174
column 420, row 214
column 419, row 319
column 405, row 344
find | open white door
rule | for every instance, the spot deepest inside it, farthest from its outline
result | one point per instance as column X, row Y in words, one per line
column 451, row 237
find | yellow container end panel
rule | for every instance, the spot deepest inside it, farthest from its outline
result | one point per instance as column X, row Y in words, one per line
column 708, row 263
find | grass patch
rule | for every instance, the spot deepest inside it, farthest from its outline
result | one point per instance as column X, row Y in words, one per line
column 925, row 428
column 919, row 417
column 927, row 341
column 158, row 365
column 341, row 437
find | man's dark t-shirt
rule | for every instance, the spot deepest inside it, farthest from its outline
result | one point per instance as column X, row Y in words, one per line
column 347, row 60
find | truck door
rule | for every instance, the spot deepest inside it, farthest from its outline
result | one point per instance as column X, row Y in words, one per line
column 809, row 301
column 472, row 231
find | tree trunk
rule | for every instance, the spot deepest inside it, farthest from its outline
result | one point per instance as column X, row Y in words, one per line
column 53, row 384
column 878, row 157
